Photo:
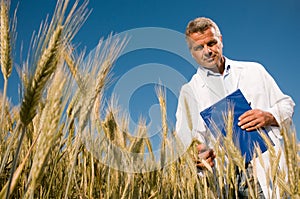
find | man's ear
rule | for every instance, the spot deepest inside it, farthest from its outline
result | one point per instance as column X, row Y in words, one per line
column 192, row 55
column 191, row 52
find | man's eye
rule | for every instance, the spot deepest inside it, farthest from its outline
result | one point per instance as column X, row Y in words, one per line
column 212, row 43
column 197, row 48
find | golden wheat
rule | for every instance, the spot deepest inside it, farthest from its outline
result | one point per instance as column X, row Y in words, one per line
column 69, row 151
column 5, row 54
column 5, row 43
column 48, row 130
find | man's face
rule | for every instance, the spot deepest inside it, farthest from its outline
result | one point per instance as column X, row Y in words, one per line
column 206, row 48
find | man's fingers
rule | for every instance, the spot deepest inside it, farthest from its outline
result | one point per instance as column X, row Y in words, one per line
column 206, row 158
column 205, row 164
column 254, row 124
column 246, row 114
column 201, row 148
column 251, row 120
column 255, row 119
column 246, row 118
column 206, row 154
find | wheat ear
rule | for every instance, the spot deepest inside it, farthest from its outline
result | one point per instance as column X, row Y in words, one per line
column 5, row 45
column 161, row 95
column 48, row 136
column 45, row 68
column 5, row 52
column 138, row 144
column 291, row 156
column 104, row 57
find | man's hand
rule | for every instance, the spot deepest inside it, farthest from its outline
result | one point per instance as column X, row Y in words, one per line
column 205, row 154
column 255, row 119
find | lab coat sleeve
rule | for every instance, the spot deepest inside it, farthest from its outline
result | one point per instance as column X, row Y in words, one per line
column 187, row 117
column 281, row 105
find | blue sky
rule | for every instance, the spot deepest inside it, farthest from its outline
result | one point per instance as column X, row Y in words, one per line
column 263, row 31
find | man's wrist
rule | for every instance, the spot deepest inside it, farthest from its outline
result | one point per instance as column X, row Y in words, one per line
column 273, row 121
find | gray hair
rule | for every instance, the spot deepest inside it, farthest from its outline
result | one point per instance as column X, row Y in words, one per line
column 201, row 24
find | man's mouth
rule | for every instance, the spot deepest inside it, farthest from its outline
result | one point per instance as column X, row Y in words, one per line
column 209, row 59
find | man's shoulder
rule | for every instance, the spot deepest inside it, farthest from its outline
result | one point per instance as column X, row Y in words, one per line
column 244, row 64
column 188, row 87
column 196, row 80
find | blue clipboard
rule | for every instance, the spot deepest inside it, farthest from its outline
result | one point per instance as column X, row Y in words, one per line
column 243, row 140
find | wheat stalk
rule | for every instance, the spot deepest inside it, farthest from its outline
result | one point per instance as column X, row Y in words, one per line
column 291, row 154
column 17, row 173
column 188, row 115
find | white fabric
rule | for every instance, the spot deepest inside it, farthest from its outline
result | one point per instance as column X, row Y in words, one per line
column 258, row 87
column 221, row 84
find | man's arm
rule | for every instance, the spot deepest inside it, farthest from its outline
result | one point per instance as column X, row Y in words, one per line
column 280, row 107
column 187, row 116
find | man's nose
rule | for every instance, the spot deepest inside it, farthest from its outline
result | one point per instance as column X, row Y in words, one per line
column 207, row 50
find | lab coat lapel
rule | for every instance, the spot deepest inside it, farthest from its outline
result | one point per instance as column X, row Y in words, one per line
column 208, row 89
column 237, row 72
column 237, row 76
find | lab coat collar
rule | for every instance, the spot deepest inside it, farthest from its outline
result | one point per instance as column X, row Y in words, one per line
column 236, row 70
column 234, row 66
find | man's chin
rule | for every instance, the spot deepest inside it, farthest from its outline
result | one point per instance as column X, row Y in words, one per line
column 209, row 66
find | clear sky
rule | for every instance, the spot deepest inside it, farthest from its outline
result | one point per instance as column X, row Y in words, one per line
column 266, row 31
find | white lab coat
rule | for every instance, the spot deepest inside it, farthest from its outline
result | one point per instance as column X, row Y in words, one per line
column 258, row 87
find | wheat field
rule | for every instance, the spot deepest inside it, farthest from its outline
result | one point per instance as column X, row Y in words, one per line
column 62, row 142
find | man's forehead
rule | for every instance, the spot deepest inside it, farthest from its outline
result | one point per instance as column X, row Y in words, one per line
column 208, row 33
column 201, row 39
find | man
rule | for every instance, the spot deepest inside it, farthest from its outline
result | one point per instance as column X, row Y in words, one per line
column 216, row 77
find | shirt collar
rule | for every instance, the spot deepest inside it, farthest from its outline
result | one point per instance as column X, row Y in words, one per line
column 206, row 72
